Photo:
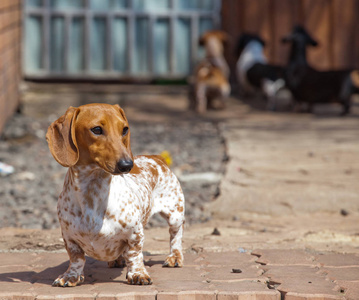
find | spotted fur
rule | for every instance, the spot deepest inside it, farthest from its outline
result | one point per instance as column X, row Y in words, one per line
column 103, row 212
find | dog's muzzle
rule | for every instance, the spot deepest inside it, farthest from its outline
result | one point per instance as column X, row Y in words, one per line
column 124, row 166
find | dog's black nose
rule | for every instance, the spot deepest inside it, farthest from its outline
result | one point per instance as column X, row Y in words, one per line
column 124, row 166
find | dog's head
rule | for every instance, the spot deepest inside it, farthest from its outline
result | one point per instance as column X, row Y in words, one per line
column 245, row 39
column 214, row 41
column 92, row 134
column 300, row 36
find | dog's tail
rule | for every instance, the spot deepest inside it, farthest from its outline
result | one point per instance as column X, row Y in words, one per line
column 354, row 77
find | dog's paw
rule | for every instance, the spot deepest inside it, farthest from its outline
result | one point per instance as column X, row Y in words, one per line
column 118, row 263
column 138, row 278
column 67, row 280
column 174, row 260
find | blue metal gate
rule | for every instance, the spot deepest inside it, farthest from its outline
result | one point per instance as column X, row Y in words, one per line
column 114, row 39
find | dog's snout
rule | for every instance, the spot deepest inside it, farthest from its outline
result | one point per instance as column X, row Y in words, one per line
column 124, row 165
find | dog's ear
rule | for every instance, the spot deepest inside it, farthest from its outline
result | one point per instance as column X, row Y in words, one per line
column 311, row 41
column 62, row 140
column 202, row 40
column 127, row 138
column 122, row 113
column 225, row 37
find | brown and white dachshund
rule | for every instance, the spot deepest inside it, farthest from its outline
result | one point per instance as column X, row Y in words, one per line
column 109, row 195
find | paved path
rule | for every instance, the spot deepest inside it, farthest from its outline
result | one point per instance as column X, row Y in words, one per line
column 263, row 274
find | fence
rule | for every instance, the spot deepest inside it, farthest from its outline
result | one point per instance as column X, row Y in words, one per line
column 114, row 38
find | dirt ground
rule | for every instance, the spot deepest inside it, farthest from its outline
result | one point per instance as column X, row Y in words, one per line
column 263, row 179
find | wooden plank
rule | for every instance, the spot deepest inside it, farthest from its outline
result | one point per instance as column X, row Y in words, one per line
column 344, row 33
column 317, row 20
column 285, row 15
column 355, row 45
column 257, row 19
column 232, row 13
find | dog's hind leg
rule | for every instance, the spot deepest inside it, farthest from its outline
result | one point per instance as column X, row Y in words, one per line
column 175, row 258
column 120, row 262
column 174, row 215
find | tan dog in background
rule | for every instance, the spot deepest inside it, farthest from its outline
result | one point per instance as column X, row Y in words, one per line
column 210, row 79
column 109, row 195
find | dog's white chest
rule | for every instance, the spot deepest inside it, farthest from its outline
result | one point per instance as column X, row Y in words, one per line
column 106, row 216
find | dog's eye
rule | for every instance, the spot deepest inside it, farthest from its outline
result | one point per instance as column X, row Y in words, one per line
column 125, row 131
column 97, row 130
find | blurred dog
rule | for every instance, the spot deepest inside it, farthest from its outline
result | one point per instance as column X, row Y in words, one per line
column 210, row 79
column 253, row 71
column 311, row 86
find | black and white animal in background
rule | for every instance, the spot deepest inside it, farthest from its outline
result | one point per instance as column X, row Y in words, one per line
column 253, row 71
column 308, row 85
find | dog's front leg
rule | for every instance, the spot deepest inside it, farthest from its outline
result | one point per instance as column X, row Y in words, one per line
column 201, row 98
column 74, row 274
column 136, row 271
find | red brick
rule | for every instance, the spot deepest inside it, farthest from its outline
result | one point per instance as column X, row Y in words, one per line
column 297, row 296
column 350, row 289
column 338, row 259
column 284, row 257
column 137, row 296
column 269, row 295
column 188, row 295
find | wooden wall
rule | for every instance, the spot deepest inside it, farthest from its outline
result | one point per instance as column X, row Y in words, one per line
column 10, row 45
column 333, row 23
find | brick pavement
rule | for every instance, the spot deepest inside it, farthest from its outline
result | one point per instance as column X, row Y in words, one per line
column 263, row 274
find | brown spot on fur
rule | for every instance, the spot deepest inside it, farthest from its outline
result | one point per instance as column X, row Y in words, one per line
column 136, row 170
column 123, row 224
column 89, row 200
column 109, row 216
column 67, row 224
column 180, row 208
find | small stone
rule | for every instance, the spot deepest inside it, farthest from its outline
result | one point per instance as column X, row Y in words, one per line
column 344, row 212
column 236, row 271
column 215, row 232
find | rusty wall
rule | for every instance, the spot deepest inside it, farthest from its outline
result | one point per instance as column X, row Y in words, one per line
column 333, row 23
column 10, row 47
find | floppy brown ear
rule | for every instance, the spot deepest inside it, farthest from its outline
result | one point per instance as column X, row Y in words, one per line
column 127, row 139
column 122, row 113
column 61, row 138
column 203, row 39
column 224, row 36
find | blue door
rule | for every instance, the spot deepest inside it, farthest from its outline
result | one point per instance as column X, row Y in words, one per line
column 114, row 39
